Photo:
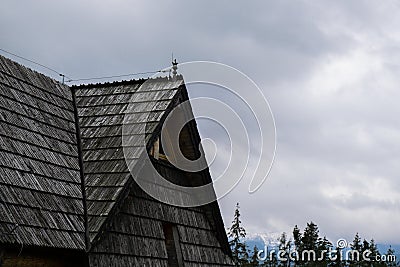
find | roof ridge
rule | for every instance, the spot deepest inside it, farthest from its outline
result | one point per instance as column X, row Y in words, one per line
column 126, row 82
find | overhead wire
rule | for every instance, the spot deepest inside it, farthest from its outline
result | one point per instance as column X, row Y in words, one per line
column 34, row 62
column 82, row 79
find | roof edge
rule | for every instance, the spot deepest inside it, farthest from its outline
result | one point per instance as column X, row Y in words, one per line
column 126, row 82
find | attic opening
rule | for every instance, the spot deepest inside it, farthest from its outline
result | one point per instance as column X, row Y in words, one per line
column 186, row 145
column 174, row 252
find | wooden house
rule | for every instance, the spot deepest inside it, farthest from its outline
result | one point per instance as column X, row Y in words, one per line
column 67, row 197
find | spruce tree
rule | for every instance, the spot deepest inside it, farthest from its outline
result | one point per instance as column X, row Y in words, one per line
column 375, row 255
column 324, row 247
column 310, row 236
column 310, row 242
column 297, row 236
column 284, row 245
column 273, row 259
column 236, row 234
column 391, row 258
column 365, row 246
column 338, row 262
column 374, row 248
column 356, row 246
column 254, row 258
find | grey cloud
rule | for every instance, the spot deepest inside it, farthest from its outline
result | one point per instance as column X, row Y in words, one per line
column 334, row 128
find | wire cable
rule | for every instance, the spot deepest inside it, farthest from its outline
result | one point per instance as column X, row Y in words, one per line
column 83, row 79
column 34, row 62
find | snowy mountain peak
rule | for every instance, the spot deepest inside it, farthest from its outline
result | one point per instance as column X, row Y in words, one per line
column 270, row 239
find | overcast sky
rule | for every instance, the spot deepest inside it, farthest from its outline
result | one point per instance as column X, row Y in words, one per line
column 330, row 71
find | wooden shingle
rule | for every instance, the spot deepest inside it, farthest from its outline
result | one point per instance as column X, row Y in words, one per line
column 39, row 171
column 101, row 112
column 65, row 184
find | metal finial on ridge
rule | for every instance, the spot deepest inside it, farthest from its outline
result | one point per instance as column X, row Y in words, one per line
column 174, row 69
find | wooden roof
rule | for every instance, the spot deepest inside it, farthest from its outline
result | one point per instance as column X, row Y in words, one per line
column 40, row 190
column 101, row 111
column 62, row 167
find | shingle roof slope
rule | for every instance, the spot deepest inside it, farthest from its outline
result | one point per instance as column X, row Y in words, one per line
column 40, row 190
column 41, row 200
column 101, row 111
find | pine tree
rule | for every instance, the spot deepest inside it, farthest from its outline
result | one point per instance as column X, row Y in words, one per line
column 338, row 262
column 373, row 248
column 297, row 236
column 284, row 245
column 310, row 242
column 390, row 255
column 254, row 258
column 324, row 247
column 273, row 259
column 236, row 234
column 375, row 254
column 310, row 237
column 356, row 246
column 365, row 246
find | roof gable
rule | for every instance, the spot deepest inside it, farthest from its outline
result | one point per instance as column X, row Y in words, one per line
column 101, row 111
column 106, row 172
column 43, row 200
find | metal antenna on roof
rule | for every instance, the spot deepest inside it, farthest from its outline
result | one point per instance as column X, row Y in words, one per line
column 170, row 69
column 63, row 77
column 174, row 69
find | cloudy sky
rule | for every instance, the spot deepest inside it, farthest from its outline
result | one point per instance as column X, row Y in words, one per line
column 330, row 71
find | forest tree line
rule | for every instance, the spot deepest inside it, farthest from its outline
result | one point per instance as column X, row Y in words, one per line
column 307, row 248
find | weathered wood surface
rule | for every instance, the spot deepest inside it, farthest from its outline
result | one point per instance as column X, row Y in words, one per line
column 102, row 110
column 40, row 195
column 41, row 200
column 136, row 235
